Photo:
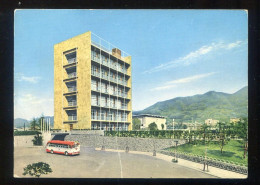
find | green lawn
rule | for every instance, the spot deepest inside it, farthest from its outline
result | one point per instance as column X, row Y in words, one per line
column 232, row 151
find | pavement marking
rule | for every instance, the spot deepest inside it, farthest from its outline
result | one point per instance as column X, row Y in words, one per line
column 121, row 171
column 100, row 165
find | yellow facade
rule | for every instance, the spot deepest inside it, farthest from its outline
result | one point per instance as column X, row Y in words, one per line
column 73, row 92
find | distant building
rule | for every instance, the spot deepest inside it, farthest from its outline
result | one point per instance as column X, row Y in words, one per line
column 147, row 119
column 211, row 122
column 192, row 126
column 234, row 120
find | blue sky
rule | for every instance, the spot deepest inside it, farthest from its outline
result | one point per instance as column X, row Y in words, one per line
column 174, row 52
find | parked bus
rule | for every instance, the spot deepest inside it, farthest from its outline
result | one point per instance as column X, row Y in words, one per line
column 63, row 147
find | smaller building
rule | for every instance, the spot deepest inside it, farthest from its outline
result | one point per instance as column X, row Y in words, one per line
column 234, row 120
column 192, row 126
column 147, row 119
column 211, row 122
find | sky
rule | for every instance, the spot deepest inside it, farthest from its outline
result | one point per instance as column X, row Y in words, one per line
column 175, row 53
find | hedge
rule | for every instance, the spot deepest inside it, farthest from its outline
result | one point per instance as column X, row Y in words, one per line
column 25, row 133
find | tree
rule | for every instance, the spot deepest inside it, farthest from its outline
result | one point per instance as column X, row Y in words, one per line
column 204, row 131
column 162, row 125
column 152, row 126
column 221, row 132
column 241, row 128
column 34, row 125
column 37, row 139
column 37, row 169
column 136, row 124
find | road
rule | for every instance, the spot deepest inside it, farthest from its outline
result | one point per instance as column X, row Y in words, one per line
column 102, row 164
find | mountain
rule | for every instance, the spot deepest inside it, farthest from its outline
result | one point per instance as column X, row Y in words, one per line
column 216, row 105
column 19, row 122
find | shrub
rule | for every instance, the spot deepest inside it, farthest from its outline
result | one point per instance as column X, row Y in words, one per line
column 37, row 169
column 37, row 140
column 24, row 133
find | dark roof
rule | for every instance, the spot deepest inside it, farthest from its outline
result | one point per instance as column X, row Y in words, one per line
column 148, row 115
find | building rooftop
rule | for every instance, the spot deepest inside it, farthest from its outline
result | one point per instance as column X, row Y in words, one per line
column 148, row 115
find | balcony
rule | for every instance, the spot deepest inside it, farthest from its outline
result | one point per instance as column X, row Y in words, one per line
column 71, row 63
column 72, row 60
column 95, row 88
column 96, row 74
column 71, row 119
column 95, row 103
column 71, row 91
column 72, row 105
column 95, row 59
column 72, row 75
column 103, row 90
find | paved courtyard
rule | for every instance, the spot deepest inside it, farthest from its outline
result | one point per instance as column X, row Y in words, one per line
column 102, row 164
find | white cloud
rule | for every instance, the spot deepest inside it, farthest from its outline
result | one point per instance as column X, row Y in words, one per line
column 172, row 84
column 163, row 87
column 190, row 78
column 194, row 55
column 28, row 106
column 33, row 79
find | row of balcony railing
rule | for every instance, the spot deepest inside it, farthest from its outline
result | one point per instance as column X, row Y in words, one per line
column 106, row 91
column 106, row 105
column 109, row 64
column 108, row 118
column 106, row 77
column 111, row 128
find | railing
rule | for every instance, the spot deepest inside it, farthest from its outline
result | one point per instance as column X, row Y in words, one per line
column 72, row 103
column 72, row 75
column 97, row 74
column 95, row 88
column 96, row 59
column 124, row 107
column 72, row 60
column 103, row 90
column 95, row 103
column 72, row 118
column 72, row 89
column 104, row 77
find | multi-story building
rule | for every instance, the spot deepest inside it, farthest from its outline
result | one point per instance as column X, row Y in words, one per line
column 147, row 119
column 92, row 85
column 211, row 122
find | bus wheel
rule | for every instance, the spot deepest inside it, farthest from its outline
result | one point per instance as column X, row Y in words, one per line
column 52, row 151
column 66, row 153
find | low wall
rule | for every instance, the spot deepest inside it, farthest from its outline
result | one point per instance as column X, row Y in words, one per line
column 23, row 141
column 134, row 144
column 88, row 132
column 217, row 164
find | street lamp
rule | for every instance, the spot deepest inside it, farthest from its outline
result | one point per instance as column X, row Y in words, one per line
column 176, row 144
column 205, row 159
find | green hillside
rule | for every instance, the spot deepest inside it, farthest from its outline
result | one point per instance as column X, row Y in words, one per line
column 215, row 105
